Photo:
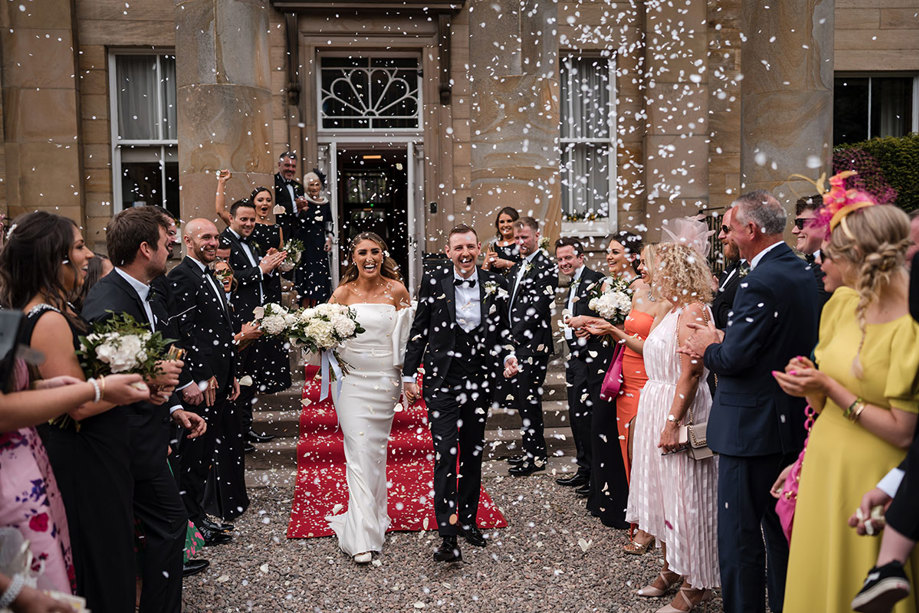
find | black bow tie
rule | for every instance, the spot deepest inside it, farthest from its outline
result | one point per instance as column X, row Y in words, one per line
column 467, row 282
column 809, row 258
column 245, row 239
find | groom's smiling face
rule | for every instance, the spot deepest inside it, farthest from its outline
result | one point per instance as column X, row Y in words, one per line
column 463, row 249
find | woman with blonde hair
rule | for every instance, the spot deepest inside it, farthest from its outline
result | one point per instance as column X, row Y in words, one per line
column 673, row 497
column 865, row 387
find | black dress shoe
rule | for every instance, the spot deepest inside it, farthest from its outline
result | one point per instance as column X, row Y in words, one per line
column 217, row 526
column 248, row 448
column 576, row 480
column 253, row 437
column 517, row 460
column 212, row 538
column 473, row 535
column 193, row 567
column 448, row 551
column 526, row 469
column 583, row 491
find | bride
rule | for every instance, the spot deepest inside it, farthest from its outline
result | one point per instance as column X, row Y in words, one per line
column 371, row 286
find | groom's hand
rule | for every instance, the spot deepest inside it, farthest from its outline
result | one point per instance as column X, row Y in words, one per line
column 511, row 368
column 411, row 393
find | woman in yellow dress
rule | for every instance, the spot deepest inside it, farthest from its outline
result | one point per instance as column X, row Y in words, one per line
column 867, row 394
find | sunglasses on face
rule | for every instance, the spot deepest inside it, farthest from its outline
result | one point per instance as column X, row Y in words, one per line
column 725, row 229
column 803, row 222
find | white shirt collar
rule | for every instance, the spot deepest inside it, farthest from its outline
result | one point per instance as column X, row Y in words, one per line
column 234, row 232
column 759, row 256
column 200, row 264
column 577, row 273
column 530, row 257
column 142, row 289
column 473, row 277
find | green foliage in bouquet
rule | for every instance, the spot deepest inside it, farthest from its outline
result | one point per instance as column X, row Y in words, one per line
column 122, row 345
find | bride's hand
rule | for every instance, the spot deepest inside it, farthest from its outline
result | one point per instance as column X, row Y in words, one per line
column 410, row 391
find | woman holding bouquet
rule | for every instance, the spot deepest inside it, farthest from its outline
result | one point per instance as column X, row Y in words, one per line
column 42, row 267
column 371, row 286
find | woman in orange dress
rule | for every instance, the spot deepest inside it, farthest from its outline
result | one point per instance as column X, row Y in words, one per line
column 645, row 308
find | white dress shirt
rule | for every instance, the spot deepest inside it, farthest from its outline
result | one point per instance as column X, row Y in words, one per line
column 210, row 280
column 143, row 291
column 253, row 261
column 520, row 273
column 572, row 294
column 468, row 302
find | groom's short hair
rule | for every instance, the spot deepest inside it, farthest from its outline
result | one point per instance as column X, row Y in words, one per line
column 528, row 222
column 461, row 229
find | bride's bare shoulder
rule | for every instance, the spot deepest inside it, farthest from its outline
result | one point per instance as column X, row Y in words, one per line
column 398, row 293
column 342, row 294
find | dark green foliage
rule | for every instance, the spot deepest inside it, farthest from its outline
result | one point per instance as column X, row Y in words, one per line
column 888, row 168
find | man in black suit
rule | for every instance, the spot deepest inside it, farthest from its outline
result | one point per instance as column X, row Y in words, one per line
column 810, row 232
column 533, row 283
column 460, row 332
column 287, row 190
column 138, row 245
column 588, row 355
column 755, row 427
column 251, row 266
column 208, row 381
column 734, row 270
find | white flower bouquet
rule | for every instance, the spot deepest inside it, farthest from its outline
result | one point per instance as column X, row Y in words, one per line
column 122, row 345
column 324, row 327
column 294, row 249
column 615, row 303
column 273, row 319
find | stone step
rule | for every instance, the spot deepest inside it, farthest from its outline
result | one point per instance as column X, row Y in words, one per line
column 281, row 453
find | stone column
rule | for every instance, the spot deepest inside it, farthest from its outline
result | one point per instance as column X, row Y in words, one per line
column 676, row 104
column 514, row 118
column 224, row 100
column 41, row 117
column 787, row 95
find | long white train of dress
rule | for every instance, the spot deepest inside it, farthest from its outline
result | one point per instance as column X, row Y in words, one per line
column 674, row 497
column 365, row 408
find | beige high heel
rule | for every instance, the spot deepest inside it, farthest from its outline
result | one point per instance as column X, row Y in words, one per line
column 649, row 591
column 681, row 595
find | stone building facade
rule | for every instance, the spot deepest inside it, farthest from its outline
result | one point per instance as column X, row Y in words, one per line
column 592, row 115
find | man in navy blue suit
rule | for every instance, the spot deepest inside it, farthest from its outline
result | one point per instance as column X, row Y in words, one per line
column 755, row 427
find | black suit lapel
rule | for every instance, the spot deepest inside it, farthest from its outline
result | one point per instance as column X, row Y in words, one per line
column 122, row 284
column 450, row 296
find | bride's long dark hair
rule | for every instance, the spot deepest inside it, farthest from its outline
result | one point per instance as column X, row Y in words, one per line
column 389, row 270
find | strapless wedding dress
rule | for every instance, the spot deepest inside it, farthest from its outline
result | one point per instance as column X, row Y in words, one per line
column 365, row 409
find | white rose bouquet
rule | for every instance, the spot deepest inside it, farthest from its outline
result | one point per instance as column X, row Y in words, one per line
column 122, row 345
column 615, row 303
column 294, row 249
column 273, row 319
column 324, row 327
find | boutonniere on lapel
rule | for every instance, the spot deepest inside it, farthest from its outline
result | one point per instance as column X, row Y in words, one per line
column 528, row 267
column 544, row 244
column 255, row 245
column 743, row 272
column 492, row 288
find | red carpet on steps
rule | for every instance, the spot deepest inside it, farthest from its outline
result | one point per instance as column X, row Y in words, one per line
column 321, row 488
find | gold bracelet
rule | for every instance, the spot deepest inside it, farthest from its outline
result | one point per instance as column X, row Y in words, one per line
column 858, row 411
column 102, row 385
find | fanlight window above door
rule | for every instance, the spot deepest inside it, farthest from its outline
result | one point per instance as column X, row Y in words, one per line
column 369, row 93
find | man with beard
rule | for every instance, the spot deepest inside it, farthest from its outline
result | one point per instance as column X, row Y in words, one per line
column 533, row 284
column 735, row 268
column 287, row 190
column 810, row 231
column 207, row 383
column 138, row 244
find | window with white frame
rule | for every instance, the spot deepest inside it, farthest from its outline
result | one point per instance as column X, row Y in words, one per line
column 145, row 165
column 588, row 138
column 369, row 93
column 867, row 105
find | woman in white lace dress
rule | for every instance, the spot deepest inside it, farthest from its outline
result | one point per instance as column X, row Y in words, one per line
column 370, row 390
column 673, row 496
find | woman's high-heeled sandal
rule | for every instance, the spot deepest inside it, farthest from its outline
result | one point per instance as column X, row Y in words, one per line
column 637, row 549
column 650, row 591
column 681, row 595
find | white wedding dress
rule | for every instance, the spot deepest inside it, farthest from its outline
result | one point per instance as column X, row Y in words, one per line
column 365, row 408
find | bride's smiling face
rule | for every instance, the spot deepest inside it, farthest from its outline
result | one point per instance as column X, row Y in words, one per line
column 368, row 257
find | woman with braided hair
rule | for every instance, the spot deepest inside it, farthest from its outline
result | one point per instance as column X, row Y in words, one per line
column 865, row 387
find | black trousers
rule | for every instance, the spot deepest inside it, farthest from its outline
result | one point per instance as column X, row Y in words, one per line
column 159, row 509
column 903, row 513
column 746, row 514
column 528, row 399
column 457, row 413
column 193, row 458
column 580, row 407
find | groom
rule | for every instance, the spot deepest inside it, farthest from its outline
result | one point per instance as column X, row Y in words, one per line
column 461, row 333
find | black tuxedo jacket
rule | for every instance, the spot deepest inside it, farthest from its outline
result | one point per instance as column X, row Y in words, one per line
column 249, row 284
column 282, row 194
column 774, row 319
column 149, row 424
column 205, row 326
column 724, row 297
column 582, row 348
column 431, row 339
column 531, row 307
column 822, row 294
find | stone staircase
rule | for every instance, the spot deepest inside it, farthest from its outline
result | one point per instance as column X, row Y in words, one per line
column 275, row 462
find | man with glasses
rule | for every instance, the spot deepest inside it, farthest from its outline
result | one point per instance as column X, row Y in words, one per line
column 735, row 268
column 810, row 232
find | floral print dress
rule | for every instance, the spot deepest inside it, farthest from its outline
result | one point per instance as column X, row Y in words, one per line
column 31, row 502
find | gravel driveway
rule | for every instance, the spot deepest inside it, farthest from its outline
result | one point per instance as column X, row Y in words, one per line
column 552, row 557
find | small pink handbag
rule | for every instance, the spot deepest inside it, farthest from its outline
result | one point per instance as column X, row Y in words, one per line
column 613, row 379
column 785, row 507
